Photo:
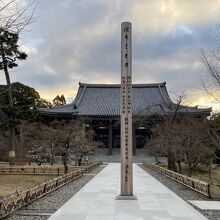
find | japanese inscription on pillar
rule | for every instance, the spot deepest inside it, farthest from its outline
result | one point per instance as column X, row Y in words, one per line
column 126, row 111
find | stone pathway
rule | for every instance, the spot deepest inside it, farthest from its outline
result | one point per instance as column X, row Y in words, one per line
column 210, row 205
column 96, row 200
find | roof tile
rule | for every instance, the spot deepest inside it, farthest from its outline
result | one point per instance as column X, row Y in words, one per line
column 104, row 100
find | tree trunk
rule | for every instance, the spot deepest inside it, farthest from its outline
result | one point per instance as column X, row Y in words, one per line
column 210, row 169
column 66, row 168
column 80, row 160
column 21, row 149
column 190, row 172
column 64, row 160
column 157, row 158
column 11, row 151
column 179, row 166
column 171, row 161
column 52, row 161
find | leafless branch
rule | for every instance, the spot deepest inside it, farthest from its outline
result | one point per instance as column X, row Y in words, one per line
column 15, row 17
column 211, row 66
column 210, row 93
column 6, row 5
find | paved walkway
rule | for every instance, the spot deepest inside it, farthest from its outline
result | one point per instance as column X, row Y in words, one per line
column 96, row 200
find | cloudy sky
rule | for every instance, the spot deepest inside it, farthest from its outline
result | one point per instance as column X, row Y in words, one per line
column 76, row 41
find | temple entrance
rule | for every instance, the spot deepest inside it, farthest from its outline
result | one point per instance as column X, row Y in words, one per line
column 102, row 134
column 116, row 141
column 142, row 136
column 107, row 132
column 116, row 138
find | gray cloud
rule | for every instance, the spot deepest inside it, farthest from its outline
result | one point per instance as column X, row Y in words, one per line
column 80, row 41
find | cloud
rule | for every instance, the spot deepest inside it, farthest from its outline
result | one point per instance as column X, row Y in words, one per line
column 76, row 41
column 162, row 15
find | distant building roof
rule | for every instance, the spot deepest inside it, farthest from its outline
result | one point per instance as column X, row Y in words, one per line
column 103, row 100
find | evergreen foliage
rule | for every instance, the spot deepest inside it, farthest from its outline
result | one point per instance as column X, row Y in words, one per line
column 9, row 49
column 25, row 102
column 59, row 100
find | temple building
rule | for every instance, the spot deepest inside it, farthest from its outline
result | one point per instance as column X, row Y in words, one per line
column 100, row 103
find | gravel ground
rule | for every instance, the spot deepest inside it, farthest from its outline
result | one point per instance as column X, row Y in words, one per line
column 43, row 207
column 185, row 193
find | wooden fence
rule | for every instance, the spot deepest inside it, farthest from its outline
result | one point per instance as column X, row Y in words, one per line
column 197, row 185
column 41, row 170
column 19, row 199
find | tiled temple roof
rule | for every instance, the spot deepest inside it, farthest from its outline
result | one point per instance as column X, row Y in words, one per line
column 103, row 100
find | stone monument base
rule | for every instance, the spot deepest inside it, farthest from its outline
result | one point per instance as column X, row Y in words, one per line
column 120, row 197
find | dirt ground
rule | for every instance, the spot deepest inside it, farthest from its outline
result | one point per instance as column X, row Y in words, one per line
column 10, row 183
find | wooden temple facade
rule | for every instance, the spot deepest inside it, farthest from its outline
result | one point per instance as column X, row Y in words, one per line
column 100, row 103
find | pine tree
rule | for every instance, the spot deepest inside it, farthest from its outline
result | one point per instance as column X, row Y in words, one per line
column 59, row 100
column 9, row 54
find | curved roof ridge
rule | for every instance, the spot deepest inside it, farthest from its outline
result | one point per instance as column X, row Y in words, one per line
column 81, row 96
column 77, row 97
column 164, row 97
column 117, row 85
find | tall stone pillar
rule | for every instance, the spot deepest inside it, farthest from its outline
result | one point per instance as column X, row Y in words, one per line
column 126, row 113
column 134, row 140
column 110, row 138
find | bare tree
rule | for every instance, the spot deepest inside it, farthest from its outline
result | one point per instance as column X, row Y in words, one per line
column 179, row 136
column 166, row 127
column 35, row 146
column 53, row 137
column 79, row 140
column 16, row 15
column 215, row 133
column 197, row 145
column 211, row 83
column 189, row 141
column 44, row 141
column 211, row 60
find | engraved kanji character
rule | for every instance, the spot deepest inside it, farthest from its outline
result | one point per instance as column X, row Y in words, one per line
column 126, row 29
